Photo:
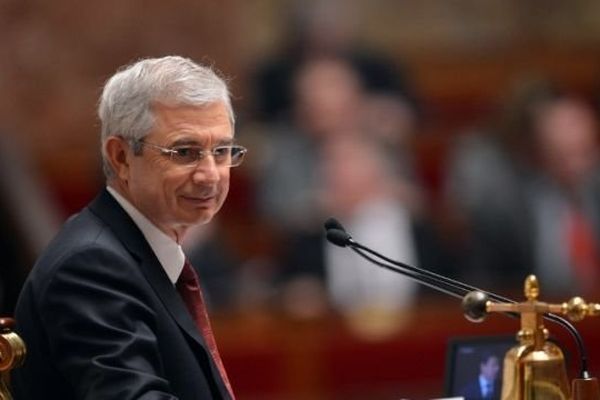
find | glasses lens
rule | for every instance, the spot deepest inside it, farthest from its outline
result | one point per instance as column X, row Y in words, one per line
column 186, row 154
column 237, row 155
column 222, row 155
column 227, row 156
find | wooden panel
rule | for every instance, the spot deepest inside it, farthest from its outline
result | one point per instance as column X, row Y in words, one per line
column 271, row 357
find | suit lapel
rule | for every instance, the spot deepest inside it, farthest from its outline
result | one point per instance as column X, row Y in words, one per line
column 108, row 210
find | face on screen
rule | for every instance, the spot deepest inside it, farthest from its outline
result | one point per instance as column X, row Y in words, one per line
column 490, row 368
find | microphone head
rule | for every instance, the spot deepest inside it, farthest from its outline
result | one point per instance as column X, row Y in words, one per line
column 333, row 223
column 338, row 237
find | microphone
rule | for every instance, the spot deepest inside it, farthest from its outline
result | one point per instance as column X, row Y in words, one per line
column 339, row 237
column 473, row 299
column 332, row 223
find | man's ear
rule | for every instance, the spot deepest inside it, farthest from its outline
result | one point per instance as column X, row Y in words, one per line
column 117, row 155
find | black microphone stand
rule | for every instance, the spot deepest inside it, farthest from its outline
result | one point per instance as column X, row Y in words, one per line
column 474, row 300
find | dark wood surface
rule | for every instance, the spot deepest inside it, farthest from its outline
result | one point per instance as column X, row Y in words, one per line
column 270, row 356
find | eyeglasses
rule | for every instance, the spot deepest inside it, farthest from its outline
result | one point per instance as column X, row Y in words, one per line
column 224, row 156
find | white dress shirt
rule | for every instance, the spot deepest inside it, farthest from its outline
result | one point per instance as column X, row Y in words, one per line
column 169, row 252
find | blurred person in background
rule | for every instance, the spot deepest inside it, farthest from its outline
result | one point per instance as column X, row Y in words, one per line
column 345, row 153
column 485, row 190
column 328, row 100
column 514, row 188
column 113, row 309
column 361, row 182
column 565, row 198
column 322, row 28
column 331, row 103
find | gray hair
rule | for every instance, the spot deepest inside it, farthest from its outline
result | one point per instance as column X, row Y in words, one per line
column 125, row 107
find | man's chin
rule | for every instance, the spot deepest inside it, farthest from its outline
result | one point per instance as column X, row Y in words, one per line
column 195, row 214
column 201, row 217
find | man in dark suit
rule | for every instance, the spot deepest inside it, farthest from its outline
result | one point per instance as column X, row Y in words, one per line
column 112, row 310
column 487, row 384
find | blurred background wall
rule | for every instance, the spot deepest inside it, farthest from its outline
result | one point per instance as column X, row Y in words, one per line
column 448, row 88
column 460, row 55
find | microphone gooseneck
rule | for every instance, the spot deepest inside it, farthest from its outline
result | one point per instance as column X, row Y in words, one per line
column 474, row 299
column 424, row 281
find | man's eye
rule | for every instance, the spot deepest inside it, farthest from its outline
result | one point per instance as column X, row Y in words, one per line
column 186, row 154
column 221, row 151
column 183, row 151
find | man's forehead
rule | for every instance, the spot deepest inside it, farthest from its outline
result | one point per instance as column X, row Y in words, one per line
column 212, row 116
column 194, row 141
column 213, row 107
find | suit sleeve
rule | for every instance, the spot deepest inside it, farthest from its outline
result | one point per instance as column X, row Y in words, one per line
column 101, row 329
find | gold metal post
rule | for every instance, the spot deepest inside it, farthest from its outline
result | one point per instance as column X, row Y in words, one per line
column 535, row 368
column 12, row 354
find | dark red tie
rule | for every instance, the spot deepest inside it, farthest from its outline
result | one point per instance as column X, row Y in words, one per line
column 188, row 287
column 583, row 250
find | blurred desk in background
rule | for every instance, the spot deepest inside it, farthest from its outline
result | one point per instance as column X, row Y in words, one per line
column 269, row 356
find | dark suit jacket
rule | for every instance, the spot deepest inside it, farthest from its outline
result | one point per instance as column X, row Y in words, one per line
column 102, row 320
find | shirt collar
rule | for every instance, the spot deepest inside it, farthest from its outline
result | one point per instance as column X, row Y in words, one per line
column 169, row 252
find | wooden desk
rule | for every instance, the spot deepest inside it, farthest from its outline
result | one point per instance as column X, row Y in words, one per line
column 269, row 356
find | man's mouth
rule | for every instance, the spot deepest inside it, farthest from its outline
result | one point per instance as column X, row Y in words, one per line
column 200, row 199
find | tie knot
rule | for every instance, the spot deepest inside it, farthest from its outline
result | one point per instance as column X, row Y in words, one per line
column 188, row 275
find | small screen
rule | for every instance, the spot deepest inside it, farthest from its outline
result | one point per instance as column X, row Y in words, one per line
column 474, row 366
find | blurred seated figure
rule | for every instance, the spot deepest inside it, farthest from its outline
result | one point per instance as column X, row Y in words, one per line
column 514, row 188
column 565, row 198
column 363, row 186
column 486, row 196
column 328, row 102
column 322, row 28
column 345, row 152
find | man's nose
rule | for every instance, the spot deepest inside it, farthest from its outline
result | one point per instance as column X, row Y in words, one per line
column 206, row 170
